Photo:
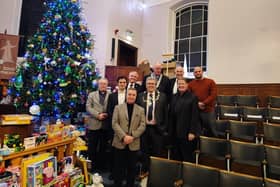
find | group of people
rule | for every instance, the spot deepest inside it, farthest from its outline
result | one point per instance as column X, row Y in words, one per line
column 138, row 119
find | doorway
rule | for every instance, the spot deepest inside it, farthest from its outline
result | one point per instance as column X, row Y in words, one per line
column 127, row 54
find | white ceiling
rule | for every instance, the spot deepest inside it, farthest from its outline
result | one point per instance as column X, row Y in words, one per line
column 154, row 2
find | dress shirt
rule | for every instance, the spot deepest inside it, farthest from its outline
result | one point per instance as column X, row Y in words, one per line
column 121, row 97
column 175, row 87
column 131, row 85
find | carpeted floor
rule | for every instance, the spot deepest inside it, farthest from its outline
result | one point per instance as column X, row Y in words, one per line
column 107, row 182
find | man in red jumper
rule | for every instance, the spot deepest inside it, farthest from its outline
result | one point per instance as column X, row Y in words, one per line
column 206, row 91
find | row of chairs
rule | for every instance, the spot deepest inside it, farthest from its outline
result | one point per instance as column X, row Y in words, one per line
column 255, row 159
column 168, row 173
column 271, row 115
column 247, row 100
column 268, row 133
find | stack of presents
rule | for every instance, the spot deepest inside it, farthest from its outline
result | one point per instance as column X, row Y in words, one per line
column 42, row 169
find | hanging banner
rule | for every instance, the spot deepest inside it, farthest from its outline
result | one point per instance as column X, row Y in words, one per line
column 8, row 55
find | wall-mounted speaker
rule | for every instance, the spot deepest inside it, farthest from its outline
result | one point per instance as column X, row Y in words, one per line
column 113, row 48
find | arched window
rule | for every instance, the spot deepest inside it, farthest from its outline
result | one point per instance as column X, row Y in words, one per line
column 191, row 36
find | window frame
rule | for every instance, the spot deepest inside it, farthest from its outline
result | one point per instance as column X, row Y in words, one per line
column 179, row 57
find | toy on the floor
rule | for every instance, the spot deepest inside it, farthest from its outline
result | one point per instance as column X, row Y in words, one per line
column 97, row 180
column 68, row 164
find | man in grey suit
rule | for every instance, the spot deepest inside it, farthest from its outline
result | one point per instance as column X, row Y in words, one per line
column 98, row 127
column 128, row 124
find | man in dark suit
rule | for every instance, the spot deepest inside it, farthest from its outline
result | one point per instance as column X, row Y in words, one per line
column 114, row 99
column 117, row 97
column 132, row 81
column 128, row 124
column 184, row 123
column 163, row 82
column 155, row 104
column 179, row 73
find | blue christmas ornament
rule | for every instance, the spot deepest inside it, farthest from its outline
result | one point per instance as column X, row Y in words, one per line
column 18, row 82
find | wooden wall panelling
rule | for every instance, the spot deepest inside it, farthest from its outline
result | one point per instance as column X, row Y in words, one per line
column 113, row 72
column 261, row 90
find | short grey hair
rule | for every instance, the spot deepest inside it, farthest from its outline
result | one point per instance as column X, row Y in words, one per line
column 151, row 78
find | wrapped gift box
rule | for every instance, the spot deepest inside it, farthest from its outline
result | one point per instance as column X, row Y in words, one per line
column 42, row 172
column 62, row 180
column 29, row 142
column 29, row 161
column 54, row 132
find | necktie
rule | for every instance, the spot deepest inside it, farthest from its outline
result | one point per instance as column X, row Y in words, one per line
column 150, row 108
column 131, row 85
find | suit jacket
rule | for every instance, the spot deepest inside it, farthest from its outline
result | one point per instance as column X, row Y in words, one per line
column 184, row 115
column 120, row 124
column 161, row 111
column 164, row 85
column 172, row 82
column 137, row 86
column 93, row 108
column 112, row 102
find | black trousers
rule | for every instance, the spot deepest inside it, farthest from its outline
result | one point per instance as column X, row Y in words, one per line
column 124, row 167
column 151, row 145
column 208, row 123
column 97, row 145
column 184, row 149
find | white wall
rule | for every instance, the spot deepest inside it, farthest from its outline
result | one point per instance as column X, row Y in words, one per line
column 103, row 17
column 243, row 35
column 10, row 11
column 96, row 15
column 156, row 33
column 243, row 39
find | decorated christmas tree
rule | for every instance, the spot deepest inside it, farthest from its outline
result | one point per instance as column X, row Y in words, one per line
column 58, row 71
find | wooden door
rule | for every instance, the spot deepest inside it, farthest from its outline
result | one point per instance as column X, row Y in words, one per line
column 127, row 54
